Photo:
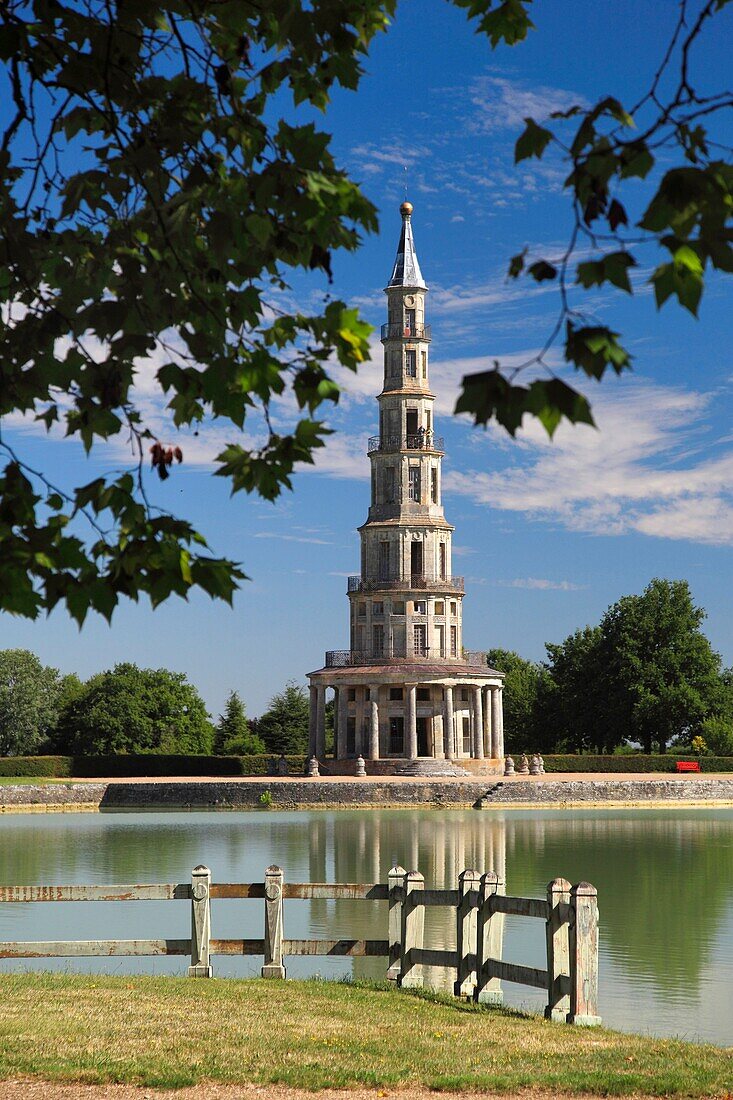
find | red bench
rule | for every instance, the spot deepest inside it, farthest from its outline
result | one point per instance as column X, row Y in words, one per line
column 688, row 766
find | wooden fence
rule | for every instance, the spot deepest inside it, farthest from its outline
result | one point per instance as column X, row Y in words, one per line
column 479, row 904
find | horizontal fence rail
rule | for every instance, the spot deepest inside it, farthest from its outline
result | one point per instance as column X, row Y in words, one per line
column 475, row 966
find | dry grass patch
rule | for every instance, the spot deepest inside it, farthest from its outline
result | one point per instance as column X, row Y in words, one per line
column 172, row 1032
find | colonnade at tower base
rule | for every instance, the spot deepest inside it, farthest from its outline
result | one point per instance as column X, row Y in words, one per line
column 401, row 712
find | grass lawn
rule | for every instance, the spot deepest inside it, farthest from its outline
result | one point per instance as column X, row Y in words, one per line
column 172, row 1032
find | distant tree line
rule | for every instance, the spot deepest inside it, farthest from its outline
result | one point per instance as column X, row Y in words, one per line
column 135, row 710
column 644, row 676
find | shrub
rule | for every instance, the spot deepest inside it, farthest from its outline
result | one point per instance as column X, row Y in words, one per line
column 47, row 767
column 88, row 767
column 718, row 735
column 637, row 763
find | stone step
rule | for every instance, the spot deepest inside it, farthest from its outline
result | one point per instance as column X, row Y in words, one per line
column 431, row 769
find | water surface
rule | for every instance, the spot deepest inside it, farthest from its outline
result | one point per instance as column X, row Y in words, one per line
column 664, row 879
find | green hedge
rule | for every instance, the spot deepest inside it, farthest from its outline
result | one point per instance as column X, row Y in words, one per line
column 62, row 767
column 46, row 767
column 633, row 762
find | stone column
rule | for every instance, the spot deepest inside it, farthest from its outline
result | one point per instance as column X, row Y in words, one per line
column 320, row 722
column 500, row 694
column 478, row 725
column 448, row 722
column 411, row 721
column 495, row 705
column 342, row 707
column 312, row 720
column 374, row 723
column 487, row 724
column 436, row 724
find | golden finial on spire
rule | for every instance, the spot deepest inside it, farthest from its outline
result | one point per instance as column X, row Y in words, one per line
column 406, row 208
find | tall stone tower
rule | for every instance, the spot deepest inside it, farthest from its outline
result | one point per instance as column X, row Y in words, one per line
column 406, row 688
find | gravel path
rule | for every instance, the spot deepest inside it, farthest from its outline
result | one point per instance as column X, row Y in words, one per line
column 32, row 1089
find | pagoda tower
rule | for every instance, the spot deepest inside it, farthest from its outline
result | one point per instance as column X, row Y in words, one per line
column 406, row 688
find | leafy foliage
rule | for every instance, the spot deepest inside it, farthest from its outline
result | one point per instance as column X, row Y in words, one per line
column 157, row 189
column 134, row 710
column 522, row 728
column 29, row 700
column 688, row 215
column 152, row 202
column 717, row 733
column 573, row 701
column 646, row 674
column 284, row 725
column 233, row 734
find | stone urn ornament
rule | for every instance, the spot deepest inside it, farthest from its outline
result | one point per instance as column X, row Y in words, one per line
column 534, row 767
column 509, row 766
column 313, row 769
column 524, row 765
column 360, row 768
column 542, row 765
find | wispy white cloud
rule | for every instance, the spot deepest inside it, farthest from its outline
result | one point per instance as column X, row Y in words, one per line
column 643, row 471
column 541, row 584
column 290, row 538
column 502, row 103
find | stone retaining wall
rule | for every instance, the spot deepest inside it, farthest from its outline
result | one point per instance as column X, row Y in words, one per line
column 578, row 791
column 296, row 794
column 88, row 795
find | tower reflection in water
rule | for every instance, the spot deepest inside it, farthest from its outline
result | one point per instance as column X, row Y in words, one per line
column 351, row 849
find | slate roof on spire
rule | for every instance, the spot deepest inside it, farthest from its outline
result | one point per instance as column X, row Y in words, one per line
column 406, row 271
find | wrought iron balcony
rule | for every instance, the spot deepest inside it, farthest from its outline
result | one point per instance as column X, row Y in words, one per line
column 347, row 658
column 401, row 331
column 411, row 580
column 343, row 658
column 422, row 441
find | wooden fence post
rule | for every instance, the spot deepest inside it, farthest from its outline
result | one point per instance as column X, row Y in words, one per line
column 200, row 922
column 489, row 927
column 396, row 882
column 412, row 932
column 273, row 965
column 466, row 914
column 583, row 955
column 558, row 950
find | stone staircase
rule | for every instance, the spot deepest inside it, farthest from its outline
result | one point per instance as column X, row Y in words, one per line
column 431, row 769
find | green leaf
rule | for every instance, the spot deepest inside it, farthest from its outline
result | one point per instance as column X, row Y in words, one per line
column 533, row 142
column 516, row 264
column 541, row 271
column 613, row 268
column 552, row 400
column 683, row 277
column 489, row 395
column 594, row 348
column 636, row 160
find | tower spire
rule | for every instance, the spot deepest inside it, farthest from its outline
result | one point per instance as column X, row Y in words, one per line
column 406, row 270
column 406, row 688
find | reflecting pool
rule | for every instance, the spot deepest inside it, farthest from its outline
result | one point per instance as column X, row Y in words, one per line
column 664, row 879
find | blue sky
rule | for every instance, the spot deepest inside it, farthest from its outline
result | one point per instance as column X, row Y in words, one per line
column 548, row 533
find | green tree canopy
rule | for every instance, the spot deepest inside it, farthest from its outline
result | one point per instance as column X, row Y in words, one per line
column 663, row 674
column 573, row 699
column 521, row 688
column 158, row 188
column 137, row 710
column 647, row 674
column 29, row 699
column 233, row 734
column 284, row 725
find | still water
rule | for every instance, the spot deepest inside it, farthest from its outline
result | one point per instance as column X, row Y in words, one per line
column 664, row 879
